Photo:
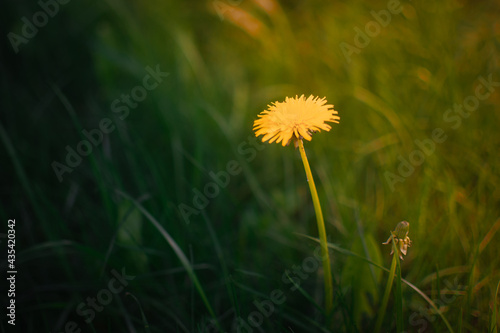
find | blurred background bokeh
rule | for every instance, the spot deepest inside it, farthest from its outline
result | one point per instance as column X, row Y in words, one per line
column 395, row 71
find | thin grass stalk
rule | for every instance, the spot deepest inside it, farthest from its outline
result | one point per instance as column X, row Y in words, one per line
column 494, row 318
column 143, row 315
column 399, row 296
column 388, row 287
column 408, row 283
column 179, row 253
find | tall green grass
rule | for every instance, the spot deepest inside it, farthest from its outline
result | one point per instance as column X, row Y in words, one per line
column 237, row 251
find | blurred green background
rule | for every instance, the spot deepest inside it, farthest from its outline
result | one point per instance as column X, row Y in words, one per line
column 124, row 206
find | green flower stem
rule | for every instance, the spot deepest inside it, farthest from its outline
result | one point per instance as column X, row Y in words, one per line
column 388, row 287
column 322, row 233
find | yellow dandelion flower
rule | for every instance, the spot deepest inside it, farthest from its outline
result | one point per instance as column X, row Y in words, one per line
column 295, row 118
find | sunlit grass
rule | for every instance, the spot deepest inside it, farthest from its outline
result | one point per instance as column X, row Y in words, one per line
column 244, row 244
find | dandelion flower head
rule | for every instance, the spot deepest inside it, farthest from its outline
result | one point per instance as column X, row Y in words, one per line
column 295, row 118
column 400, row 236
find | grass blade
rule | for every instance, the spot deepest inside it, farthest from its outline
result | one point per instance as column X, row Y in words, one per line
column 388, row 287
column 399, row 296
column 143, row 315
column 409, row 284
column 305, row 294
column 494, row 318
column 178, row 251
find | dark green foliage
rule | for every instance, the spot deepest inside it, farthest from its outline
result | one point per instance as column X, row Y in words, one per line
column 407, row 148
